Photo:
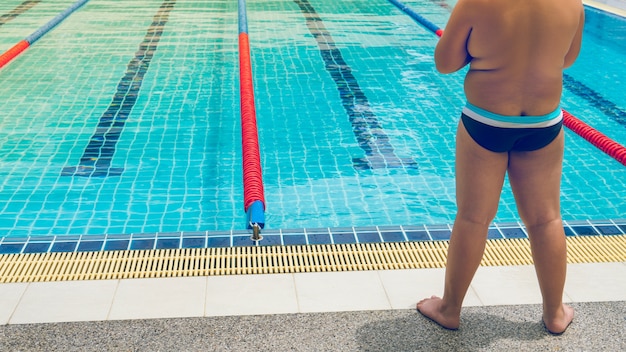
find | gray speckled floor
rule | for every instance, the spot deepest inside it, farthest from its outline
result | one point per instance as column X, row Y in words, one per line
column 597, row 327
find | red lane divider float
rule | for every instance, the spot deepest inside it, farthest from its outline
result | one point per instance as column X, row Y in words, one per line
column 10, row 54
column 18, row 48
column 593, row 136
column 254, row 199
column 602, row 142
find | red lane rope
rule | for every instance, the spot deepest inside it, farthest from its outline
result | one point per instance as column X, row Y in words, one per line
column 593, row 136
column 18, row 48
column 252, row 173
column 10, row 54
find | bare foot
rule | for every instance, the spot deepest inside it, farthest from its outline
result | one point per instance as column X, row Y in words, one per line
column 433, row 309
column 560, row 323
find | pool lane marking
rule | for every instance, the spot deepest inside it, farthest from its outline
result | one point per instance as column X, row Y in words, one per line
column 594, row 98
column 590, row 134
column 22, row 45
column 365, row 126
column 20, row 9
column 97, row 157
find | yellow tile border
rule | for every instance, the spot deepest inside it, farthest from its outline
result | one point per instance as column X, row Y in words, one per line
column 106, row 265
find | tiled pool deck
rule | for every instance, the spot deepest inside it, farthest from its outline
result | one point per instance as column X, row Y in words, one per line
column 100, row 300
column 310, row 312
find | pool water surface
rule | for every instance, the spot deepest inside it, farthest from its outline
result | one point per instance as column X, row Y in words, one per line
column 332, row 80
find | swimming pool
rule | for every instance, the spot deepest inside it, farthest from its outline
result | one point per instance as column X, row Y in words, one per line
column 174, row 165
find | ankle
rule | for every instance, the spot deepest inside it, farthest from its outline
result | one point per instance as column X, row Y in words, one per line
column 554, row 312
column 558, row 320
column 450, row 307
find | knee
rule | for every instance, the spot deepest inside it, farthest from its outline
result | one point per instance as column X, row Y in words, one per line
column 541, row 222
column 541, row 219
column 475, row 217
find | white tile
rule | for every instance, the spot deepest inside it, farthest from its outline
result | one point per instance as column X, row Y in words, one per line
column 340, row 291
column 269, row 294
column 596, row 282
column 406, row 287
column 10, row 295
column 472, row 299
column 251, row 294
column 159, row 298
column 504, row 285
column 65, row 301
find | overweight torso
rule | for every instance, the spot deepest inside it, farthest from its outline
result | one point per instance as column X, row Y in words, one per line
column 517, row 51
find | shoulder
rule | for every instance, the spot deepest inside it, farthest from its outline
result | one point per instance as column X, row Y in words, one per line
column 476, row 4
column 468, row 9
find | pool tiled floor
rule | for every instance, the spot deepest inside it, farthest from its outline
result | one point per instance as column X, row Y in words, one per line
column 236, row 295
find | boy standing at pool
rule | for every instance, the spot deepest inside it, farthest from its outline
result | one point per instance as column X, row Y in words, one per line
column 517, row 50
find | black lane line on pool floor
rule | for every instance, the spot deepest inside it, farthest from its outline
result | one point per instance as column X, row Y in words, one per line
column 96, row 159
column 20, row 9
column 366, row 127
column 594, row 98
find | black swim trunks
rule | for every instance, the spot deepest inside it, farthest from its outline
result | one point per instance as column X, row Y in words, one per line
column 500, row 133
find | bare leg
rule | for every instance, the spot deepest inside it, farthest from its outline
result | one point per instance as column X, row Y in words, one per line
column 535, row 179
column 479, row 178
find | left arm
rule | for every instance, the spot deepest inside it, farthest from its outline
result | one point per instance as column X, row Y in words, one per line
column 451, row 52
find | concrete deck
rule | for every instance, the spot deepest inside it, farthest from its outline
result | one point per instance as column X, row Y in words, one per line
column 337, row 311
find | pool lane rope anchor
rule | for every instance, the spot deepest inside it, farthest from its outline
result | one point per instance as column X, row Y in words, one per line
column 254, row 199
column 590, row 134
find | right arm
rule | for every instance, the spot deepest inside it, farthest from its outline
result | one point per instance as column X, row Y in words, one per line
column 574, row 49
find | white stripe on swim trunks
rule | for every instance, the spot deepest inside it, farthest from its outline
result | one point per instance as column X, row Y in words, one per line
column 496, row 120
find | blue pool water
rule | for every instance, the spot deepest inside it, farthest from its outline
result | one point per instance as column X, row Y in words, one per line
column 356, row 74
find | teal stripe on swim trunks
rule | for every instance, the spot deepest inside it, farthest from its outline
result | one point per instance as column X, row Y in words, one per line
column 496, row 120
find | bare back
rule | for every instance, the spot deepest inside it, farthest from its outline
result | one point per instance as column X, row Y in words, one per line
column 516, row 49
